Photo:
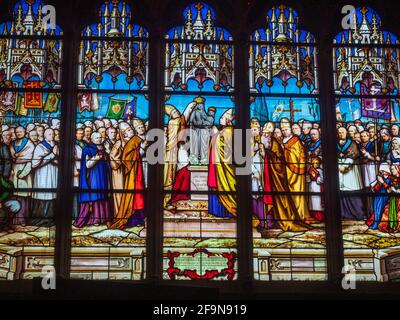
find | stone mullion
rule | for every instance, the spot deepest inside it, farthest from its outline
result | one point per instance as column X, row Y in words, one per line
column 64, row 205
column 155, row 186
column 334, row 243
column 242, row 100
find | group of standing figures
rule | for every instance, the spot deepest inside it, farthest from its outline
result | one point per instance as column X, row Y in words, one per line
column 110, row 170
column 110, row 173
column 287, row 163
column 28, row 166
column 369, row 161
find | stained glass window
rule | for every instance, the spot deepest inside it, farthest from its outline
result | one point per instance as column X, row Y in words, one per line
column 287, row 164
column 112, row 152
column 110, row 170
column 30, row 105
column 366, row 77
column 199, row 177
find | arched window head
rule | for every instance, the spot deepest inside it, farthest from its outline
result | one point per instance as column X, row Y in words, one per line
column 115, row 21
column 201, row 63
column 31, row 18
column 119, row 64
column 199, row 24
column 283, row 57
column 282, row 26
column 363, row 55
column 35, row 59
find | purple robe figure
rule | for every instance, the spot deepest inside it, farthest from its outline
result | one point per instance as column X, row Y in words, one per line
column 95, row 174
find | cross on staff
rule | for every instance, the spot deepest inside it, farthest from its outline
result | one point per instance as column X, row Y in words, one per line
column 292, row 110
column 199, row 6
column 364, row 10
column 282, row 7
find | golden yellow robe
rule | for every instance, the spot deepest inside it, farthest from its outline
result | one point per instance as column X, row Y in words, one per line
column 284, row 208
column 225, row 170
column 133, row 180
column 295, row 158
column 174, row 129
column 117, row 173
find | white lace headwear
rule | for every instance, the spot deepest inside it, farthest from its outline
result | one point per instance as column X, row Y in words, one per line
column 384, row 167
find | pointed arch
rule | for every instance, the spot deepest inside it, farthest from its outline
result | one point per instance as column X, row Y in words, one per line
column 191, row 65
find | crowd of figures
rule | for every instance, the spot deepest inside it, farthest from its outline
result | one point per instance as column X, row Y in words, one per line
column 196, row 137
column 28, row 166
column 287, row 158
column 286, row 164
column 110, row 170
column 369, row 160
column 110, row 156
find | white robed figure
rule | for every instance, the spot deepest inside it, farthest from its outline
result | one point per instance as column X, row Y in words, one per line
column 367, row 159
column 45, row 163
column 349, row 170
column 257, row 161
column 350, row 179
column 174, row 133
column 315, row 180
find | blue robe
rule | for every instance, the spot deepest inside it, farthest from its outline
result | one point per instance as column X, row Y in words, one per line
column 385, row 148
column 369, row 147
column 216, row 208
column 392, row 159
column 312, row 146
column 21, row 146
column 378, row 205
column 96, row 178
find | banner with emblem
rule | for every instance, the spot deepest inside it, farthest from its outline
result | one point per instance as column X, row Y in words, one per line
column 20, row 109
column 130, row 110
column 8, row 99
column 116, row 108
column 52, row 102
column 376, row 108
column 84, row 101
column 33, row 100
